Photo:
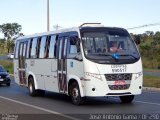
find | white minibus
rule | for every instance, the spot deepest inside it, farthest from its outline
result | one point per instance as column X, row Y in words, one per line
column 87, row 61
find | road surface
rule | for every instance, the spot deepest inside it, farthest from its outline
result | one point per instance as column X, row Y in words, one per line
column 157, row 74
column 15, row 100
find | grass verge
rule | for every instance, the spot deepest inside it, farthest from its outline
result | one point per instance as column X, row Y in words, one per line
column 151, row 81
column 8, row 65
column 151, row 70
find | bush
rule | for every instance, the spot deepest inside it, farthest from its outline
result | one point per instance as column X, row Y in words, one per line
column 8, row 65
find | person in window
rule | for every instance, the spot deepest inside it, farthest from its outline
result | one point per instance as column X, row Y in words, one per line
column 115, row 47
column 73, row 46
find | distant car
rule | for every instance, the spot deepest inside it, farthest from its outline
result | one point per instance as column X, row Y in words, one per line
column 10, row 55
column 4, row 76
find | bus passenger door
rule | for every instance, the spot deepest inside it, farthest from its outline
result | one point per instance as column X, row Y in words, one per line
column 62, row 64
column 22, row 63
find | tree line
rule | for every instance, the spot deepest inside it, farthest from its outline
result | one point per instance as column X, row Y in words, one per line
column 149, row 47
column 11, row 32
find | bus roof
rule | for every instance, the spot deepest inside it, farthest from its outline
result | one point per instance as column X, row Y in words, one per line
column 48, row 33
column 69, row 30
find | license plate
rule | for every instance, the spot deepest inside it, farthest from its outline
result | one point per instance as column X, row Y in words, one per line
column 120, row 82
column 1, row 79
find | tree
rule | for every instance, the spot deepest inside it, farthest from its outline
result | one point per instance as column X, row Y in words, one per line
column 10, row 31
column 149, row 33
column 2, row 45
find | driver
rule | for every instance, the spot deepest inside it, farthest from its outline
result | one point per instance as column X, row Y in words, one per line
column 114, row 47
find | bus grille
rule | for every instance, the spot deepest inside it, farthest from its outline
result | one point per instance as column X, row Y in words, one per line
column 113, row 77
column 119, row 87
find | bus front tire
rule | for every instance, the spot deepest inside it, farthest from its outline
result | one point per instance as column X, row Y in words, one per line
column 75, row 94
column 31, row 87
column 126, row 99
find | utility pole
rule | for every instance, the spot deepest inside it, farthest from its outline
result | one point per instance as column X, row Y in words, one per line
column 48, row 17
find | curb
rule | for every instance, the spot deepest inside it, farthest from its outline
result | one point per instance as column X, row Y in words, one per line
column 151, row 88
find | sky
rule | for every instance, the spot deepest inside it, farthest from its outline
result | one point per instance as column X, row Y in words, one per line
column 32, row 14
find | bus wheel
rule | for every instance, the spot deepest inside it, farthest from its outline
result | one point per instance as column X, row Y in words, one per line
column 75, row 94
column 31, row 87
column 127, row 99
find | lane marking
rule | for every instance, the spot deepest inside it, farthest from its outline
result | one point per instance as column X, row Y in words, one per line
column 39, row 108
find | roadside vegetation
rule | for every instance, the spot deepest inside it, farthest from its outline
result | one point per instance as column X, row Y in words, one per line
column 149, row 47
column 151, row 81
column 8, row 65
column 11, row 32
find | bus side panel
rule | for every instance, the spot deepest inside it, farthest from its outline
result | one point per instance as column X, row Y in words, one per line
column 45, row 72
column 75, row 70
column 36, row 67
column 51, row 81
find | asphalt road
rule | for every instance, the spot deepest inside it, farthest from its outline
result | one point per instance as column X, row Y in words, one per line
column 15, row 100
column 3, row 57
column 152, row 73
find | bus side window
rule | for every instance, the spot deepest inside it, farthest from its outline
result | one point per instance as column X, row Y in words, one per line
column 53, row 47
column 42, row 47
column 16, row 49
column 38, row 47
column 30, row 48
column 46, row 53
column 33, row 48
column 73, row 46
column 73, row 50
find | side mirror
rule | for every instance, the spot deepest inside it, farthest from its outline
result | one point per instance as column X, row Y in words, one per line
column 79, row 57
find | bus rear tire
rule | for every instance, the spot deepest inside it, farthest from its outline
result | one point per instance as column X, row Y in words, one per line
column 32, row 91
column 75, row 94
column 126, row 99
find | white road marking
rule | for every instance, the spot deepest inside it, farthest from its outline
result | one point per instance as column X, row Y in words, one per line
column 39, row 108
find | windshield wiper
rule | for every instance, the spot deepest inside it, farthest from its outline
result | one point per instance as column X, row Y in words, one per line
column 129, row 55
column 101, row 54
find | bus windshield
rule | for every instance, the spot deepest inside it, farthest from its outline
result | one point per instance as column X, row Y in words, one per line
column 103, row 45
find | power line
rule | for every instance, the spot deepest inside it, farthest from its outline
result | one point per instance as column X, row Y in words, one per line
column 142, row 26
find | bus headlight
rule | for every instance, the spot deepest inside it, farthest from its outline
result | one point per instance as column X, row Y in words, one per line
column 98, row 76
column 137, row 75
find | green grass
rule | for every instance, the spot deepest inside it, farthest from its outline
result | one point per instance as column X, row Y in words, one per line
column 151, row 70
column 151, row 81
column 149, row 63
column 8, row 65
